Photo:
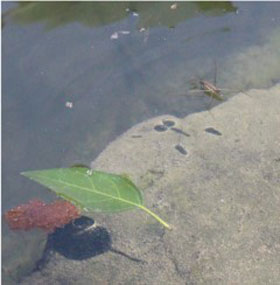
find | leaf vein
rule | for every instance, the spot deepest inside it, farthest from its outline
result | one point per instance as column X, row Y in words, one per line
column 89, row 190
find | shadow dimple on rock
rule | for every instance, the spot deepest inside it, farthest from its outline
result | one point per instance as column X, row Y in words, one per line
column 181, row 149
column 168, row 123
column 136, row 136
column 213, row 131
column 179, row 131
column 160, row 128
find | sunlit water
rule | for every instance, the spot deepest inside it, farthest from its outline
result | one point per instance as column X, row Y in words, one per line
column 76, row 75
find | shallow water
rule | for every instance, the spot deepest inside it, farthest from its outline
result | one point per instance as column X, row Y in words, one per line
column 76, row 75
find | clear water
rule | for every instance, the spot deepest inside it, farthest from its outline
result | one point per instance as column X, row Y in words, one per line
column 116, row 64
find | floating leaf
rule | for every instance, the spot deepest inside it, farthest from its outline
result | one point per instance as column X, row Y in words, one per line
column 93, row 190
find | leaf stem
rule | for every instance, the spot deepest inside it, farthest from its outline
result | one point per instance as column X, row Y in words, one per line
column 155, row 216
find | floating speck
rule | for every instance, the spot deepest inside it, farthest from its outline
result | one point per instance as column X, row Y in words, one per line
column 69, row 104
column 173, row 6
column 124, row 32
column 142, row 30
column 135, row 14
column 114, row 36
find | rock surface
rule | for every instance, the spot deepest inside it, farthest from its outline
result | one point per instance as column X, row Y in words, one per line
column 20, row 253
column 214, row 176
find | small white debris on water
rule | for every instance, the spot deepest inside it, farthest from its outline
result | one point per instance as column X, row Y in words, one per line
column 69, row 105
column 114, row 36
column 135, row 14
column 124, row 32
column 173, row 6
column 127, row 9
column 142, row 30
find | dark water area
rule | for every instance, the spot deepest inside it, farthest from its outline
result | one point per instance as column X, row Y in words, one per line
column 75, row 75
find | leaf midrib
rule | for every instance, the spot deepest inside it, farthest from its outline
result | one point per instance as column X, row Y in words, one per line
column 88, row 190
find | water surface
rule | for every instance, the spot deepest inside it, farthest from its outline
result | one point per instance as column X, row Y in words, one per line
column 76, row 75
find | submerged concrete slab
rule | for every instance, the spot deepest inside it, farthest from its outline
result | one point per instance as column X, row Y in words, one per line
column 214, row 176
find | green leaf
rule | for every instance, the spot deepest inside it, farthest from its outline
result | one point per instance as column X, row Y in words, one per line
column 93, row 190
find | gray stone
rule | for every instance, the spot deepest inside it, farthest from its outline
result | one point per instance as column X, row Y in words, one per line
column 20, row 253
column 220, row 193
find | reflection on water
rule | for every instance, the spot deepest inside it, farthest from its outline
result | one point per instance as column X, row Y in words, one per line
column 99, row 14
column 78, row 74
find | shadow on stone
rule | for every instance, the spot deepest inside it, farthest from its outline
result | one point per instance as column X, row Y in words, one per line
column 79, row 240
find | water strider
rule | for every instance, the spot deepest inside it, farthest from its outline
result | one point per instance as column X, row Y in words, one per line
column 210, row 89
